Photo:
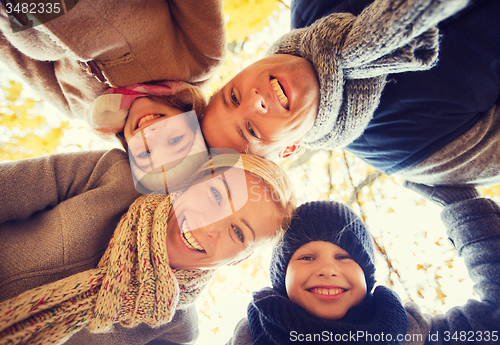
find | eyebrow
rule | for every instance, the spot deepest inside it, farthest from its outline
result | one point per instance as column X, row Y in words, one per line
column 223, row 95
column 242, row 135
column 223, row 178
column 145, row 140
column 232, row 206
column 248, row 225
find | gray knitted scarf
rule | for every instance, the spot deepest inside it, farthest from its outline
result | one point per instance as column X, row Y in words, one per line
column 353, row 55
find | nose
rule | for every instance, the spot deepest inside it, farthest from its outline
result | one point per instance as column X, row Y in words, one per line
column 258, row 102
column 149, row 132
column 327, row 269
column 211, row 231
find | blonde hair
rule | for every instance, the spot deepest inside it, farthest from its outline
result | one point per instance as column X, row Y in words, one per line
column 269, row 173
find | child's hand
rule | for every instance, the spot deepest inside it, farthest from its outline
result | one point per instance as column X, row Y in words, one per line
column 443, row 195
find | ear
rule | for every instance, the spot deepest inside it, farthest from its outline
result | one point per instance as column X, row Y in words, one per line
column 291, row 149
column 234, row 263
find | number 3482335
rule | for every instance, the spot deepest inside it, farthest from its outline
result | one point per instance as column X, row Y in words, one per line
column 33, row 8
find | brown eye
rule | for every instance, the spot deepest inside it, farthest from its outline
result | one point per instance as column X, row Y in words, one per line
column 252, row 132
column 234, row 99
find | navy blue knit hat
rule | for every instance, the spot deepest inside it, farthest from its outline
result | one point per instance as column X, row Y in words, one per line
column 327, row 221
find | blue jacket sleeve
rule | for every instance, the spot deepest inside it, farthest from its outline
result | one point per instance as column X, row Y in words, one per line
column 474, row 228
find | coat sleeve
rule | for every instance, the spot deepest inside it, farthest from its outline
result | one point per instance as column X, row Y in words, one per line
column 201, row 24
column 474, row 228
column 242, row 334
column 60, row 80
column 32, row 185
column 183, row 329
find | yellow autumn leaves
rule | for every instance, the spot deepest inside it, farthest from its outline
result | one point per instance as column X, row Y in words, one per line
column 20, row 123
column 246, row 17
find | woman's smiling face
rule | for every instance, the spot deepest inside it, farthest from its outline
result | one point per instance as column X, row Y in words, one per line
column 220, row 220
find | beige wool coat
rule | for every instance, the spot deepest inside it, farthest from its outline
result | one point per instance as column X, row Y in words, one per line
column 131, row 42
column 57, row 216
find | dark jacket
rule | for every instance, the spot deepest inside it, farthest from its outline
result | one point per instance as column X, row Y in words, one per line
column 421, row 112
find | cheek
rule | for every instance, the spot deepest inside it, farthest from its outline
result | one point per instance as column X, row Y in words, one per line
column 292, row 283
column 359, row 283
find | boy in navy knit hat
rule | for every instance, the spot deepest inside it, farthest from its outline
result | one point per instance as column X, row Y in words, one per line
column 323, row 281
column 323, row 277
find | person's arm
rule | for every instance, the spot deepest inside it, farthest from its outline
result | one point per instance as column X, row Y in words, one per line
column 473, row 226
column 202, row 32
column 242, row 334
column 32, row 185
column 43, row 74
column 182, row 329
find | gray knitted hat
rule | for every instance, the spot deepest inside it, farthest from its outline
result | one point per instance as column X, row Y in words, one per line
column 352, row 56
column 327, row 221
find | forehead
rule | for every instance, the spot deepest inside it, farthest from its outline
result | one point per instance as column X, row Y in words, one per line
column 320, row 246
column 295, row 61
column 246, row 188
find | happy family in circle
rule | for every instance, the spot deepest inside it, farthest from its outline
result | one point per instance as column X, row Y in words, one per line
column 114, row 247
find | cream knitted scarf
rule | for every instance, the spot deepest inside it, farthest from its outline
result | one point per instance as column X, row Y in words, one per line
column 133, row 283
column 352, row 56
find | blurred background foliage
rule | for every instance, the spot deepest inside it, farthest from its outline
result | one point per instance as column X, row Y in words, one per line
column 414, row 256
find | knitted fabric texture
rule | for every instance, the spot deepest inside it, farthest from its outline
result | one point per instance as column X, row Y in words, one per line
column 353, row 55
column 272, row 319
column 108, row 112
column 133, row 283
column 327, row 221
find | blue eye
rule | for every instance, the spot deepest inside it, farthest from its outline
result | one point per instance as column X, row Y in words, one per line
column 234, row 99
column 175, row 140
column 143, row 155
column 239, row 233
column 217, row 195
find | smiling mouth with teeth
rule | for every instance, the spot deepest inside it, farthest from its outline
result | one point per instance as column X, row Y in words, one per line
column 280, row 93
column 147, row 118
column 188, row 239
column 323, row 291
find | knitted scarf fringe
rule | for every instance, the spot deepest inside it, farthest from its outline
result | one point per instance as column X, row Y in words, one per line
column 133, row 283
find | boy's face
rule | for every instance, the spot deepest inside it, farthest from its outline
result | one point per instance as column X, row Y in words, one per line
column 157, row 134
column 324, row 280
column 220, row 220
column 267, row 106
